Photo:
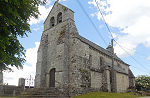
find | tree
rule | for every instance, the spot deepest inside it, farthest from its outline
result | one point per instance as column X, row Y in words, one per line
column 14, row 18
column 142, row 82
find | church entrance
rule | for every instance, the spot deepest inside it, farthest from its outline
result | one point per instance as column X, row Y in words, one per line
column 52, row 77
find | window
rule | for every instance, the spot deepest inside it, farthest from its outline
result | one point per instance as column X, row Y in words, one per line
column 52, row 22
column 59, row 17
column 118, row 65
column 101, row 61
column 90, row 60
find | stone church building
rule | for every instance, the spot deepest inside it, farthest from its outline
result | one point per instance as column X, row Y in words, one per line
column 68, row 61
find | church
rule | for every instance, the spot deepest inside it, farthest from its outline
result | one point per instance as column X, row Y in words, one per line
column 72, row 63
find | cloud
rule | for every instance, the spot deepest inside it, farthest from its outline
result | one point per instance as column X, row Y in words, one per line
column 28, row 69
column 44, row 13
column 62, row 0
column 148, row 58
column 36, row 29
column 132, row 16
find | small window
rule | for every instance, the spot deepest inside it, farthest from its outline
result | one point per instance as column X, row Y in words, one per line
column 90, row 59
column 52, row 22
column 59, row 17
column 119, row 65
column 101, row 61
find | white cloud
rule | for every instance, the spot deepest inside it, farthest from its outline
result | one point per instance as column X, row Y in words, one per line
column 92, row 15
column 133, row 17
column 28, row 69
column 36, row 29
column 44, row 13
column 62, row 0
column 148, row 58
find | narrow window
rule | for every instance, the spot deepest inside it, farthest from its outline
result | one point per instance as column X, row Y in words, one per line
column 90, row 60
column 59, row 17
column 118, row 65
column 52, row 22
column 101, row 61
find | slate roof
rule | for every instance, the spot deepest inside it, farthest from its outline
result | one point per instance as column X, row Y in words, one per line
column 118, row 69
column 131, row 75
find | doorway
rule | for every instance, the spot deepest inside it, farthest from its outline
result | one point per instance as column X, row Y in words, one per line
column 52, row 77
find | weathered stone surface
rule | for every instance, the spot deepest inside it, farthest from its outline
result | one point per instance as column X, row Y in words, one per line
column 10, row 90
column 80, row 65
column 21, row 82
column 1, row 78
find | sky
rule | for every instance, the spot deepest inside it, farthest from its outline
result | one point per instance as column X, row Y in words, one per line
column 128, row 21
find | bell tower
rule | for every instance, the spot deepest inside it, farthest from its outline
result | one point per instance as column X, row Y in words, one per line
column 58, row 14
column 52, row 61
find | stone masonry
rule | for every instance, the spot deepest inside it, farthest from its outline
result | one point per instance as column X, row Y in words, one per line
column 72, row 63
column 1, row 78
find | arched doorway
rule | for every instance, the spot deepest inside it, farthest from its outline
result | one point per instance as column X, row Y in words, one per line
column 52, row 77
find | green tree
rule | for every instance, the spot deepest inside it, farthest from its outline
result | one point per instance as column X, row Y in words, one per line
column 14, row 22
column 142, row 82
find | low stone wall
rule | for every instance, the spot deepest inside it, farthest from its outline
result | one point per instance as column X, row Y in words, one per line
column 10, row 90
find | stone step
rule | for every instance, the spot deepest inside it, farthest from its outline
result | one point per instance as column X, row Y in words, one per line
column 43, row 97
column 42, row 93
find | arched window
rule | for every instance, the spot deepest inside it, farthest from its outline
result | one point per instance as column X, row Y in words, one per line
column 52, row 22
column 59, row 17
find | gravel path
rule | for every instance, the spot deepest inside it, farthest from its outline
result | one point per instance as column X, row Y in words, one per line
column 144, row 97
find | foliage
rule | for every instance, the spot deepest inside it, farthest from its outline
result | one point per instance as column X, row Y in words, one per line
column 14, row 18
column 142, row 82
column 106, row 95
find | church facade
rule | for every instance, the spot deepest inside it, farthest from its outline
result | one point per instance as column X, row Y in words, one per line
column 70, row 62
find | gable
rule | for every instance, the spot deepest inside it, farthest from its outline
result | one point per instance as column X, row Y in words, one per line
column 56, row 9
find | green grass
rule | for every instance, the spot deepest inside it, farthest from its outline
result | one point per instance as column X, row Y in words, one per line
column 106, row 95
column 101, row 95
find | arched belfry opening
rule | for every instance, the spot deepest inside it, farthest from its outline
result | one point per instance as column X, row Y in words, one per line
column 52, row 22
column 52, row 77
column 59, row 17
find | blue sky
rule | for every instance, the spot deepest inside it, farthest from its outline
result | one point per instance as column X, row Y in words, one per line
column 128, row 21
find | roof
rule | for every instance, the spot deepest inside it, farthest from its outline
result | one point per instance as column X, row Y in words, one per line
column 131, row 75
column 97, row 47
column 118, row 69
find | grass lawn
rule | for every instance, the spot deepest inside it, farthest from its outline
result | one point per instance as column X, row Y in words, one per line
column 101, row 95
column 106, row 95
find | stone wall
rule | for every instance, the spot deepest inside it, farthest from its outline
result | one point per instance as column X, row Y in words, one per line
column 66, row 14
column 41, row 65
column 1, row 78
column 122, row 82
column 99, row 77
column 21, row 82
column 10, row 90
